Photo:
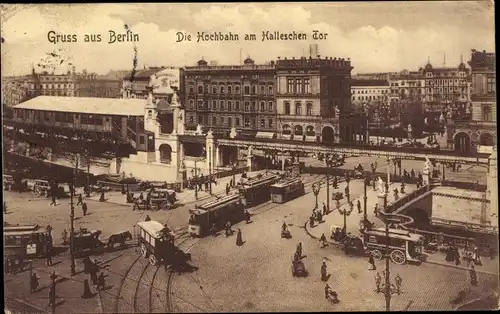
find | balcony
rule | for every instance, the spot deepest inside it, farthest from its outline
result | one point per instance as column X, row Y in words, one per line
column 289, row 117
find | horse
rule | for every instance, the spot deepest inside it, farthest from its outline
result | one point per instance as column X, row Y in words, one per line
column 119, row 238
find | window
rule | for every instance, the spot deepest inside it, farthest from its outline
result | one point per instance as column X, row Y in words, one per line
column 306, row 86
column 286, row 130
column 58, row 117
column 298, row 86
column 491, row 84
column 98, row 120
column 487, row 116
column 229, row 105
column 262, row 89
column 289, row 87
column 287, row 108
column 298, row 109
column 222, row 89
column 222, row 105
column 200, row 119
column 237, row 105
column 200, row 103
column 141, row 140
column 247, row 121
column 85, row 120
column 254, row 105
column 310, row 130
column 254, row 122
column 221, row 120
column 191, row 89
column 214, row 89
column 247, row 106
column 237, row 89
column 262, row 106
column 214, row 104
column 270, row 106
column 247, row 90
column 200, row 89
column 262, row 123
column 229, row 89
column 191, row 119
column 309, row 109
column 237, row 121
column 270, row 90
column 270, row 123
column 254, row 90
column 230, row 121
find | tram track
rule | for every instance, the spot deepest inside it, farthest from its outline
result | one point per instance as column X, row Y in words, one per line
column 122, row 282
column 137, row 287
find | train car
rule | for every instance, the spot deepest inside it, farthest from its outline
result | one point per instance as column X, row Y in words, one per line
column 24, row 241
column 257, row 190
column 218, row 212
column 287, row 190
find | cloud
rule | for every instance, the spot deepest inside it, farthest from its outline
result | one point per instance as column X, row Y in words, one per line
column 371, row 45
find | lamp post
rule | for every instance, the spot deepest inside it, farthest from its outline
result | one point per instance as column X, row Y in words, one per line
column 346, row 212
column 316, row 187
column 210, row 169
column 329, row 163
column 365, row 198
column 195, row 180
column 53, row 294
column 233, row 168
column 72, row 218
column 347, row 180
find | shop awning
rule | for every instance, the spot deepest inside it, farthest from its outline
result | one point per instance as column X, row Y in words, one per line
column 269, row 135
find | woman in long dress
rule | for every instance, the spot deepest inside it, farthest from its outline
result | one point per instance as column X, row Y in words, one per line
column 239, row 238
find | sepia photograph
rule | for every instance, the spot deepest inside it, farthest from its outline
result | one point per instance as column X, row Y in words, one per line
column 249, row 157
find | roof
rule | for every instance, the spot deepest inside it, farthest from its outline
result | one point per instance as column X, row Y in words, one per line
column 286, row 183
column 143, row 74
column 396, row 233
column 89, row 105
column 152, row 227
column 356, row 82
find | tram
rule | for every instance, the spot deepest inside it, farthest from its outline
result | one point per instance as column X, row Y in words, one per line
column 403, row 245
column 22, row 241
column 218, row 212
column 287, row 190
column 257, row 190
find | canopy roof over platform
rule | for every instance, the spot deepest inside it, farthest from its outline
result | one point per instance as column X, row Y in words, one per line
column 86, row 105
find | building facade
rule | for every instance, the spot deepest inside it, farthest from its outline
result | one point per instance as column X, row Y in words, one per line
column 479, row 132
column 164, row 80
column 445, row 86
column 314, row 101
column 370, row 90
column 224, row 97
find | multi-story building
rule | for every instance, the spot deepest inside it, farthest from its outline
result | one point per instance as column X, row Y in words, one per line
column 93, row 85
column 370, row 90
column 164, row 81
column 407, row 85
column 445, row 86
column 480, row 131
column 314, row 101
column 222, row 97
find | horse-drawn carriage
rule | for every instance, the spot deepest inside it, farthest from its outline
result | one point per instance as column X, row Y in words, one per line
column 157, row 244
column 87, row 240
column 298, row 268
column 156, row 199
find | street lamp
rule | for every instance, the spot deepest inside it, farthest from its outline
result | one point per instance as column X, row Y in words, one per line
column 72, row 218
column 316, row 187
column 233, row 168
column 365, row 198
column 329, row 163
column 347, row 180
column 346, row 212
column 195, row 180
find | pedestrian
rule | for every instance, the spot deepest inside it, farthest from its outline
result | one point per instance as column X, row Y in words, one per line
column 402, row 188
column 141, row 197
column 227, row 189
column 247, row 216
column 469, row 259
column 325, row 210
column 319, row 216
column 49, row 256
column 335, row 182
column 80, row 199
column 239, row 238
column 84, row 208
column 86, row 290
column 473, row 275
column 375, row 210
column 299, row 249
column 491, row 251
column 53, row 200
column 102, row 199
column 34, row 283
column 101, row 281
column 378, row 281
column 346, row 248
column 346, row 191
column 147, row 218
column 213, row 230
column 311, row 221
column 399, row 282
column 206, row 186
column 457, row 257
column 324, row 273
column 228, row 229
column 371, row 261
column 52, row 296
column 477, row 257
column 358, row 204
column 322, row 241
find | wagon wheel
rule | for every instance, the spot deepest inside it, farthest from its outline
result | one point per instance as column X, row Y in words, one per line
column 152, row 260
column 398, row 257
column 377, row 255
column 144, row 251
column 164, row 205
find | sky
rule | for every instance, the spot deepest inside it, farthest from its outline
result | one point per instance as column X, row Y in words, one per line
column 376, row 36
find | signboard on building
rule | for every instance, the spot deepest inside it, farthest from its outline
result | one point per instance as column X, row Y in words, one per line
column 167, row 79
column 31, row 249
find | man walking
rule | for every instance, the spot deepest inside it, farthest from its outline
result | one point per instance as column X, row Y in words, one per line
column 371, row 261
column 398, row 281
column 84, row 208
column 53, row 200
column 325, row 210
column 378, row 281
column 80, row 199
column 359, row 206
